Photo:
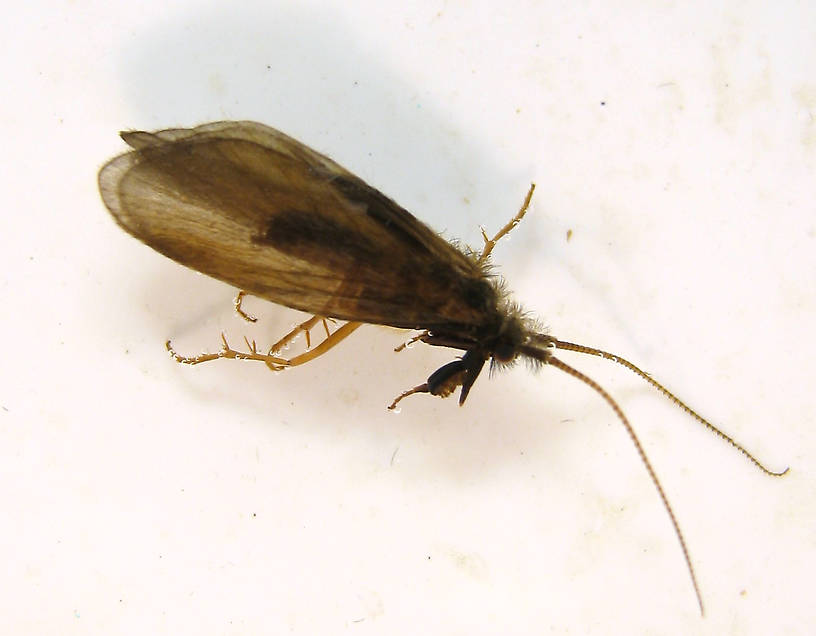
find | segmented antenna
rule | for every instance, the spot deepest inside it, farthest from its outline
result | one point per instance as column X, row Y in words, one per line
column 571, row 346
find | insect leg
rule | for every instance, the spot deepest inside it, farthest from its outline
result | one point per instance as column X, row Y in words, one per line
column 446, row 379
column 330, row 341
column 226, row 351
column 270, row 358
column 417, row 338
column 442, row 382
column 305, row 327
column 490, row 243
column 239, row 299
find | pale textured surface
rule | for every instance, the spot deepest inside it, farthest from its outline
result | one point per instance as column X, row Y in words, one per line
column 679, row 145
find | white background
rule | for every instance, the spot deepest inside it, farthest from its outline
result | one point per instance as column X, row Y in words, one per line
column 677, row 142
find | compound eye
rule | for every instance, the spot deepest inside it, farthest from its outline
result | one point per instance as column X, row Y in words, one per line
column 504, row 353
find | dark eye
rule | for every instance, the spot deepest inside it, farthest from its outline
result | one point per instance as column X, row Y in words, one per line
column 504, row 353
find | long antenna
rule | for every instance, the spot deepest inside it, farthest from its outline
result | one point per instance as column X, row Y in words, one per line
column 548, row 358
column 570, row 346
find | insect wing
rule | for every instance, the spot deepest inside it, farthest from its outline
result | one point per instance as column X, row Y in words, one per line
column 251, row 206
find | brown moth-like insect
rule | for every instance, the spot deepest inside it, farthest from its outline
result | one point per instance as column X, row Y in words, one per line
column 248, row 205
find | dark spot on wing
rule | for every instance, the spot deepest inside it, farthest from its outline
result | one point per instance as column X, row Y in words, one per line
column 388, row 213
column 309, row 235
